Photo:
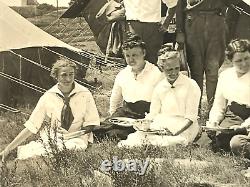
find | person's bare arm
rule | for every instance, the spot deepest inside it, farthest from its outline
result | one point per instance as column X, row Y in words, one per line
column 188, row 123
column 21, row 137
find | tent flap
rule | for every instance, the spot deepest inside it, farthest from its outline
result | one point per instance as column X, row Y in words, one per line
column 17, row 33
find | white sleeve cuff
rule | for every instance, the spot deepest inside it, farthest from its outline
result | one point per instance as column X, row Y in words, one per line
column 170, row 3
column 31, row 127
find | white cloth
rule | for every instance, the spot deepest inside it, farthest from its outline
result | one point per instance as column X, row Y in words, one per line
column 36, row 148
column 141, row 138
column 49, row 109
column 182, row 100
column 127, row 87
column 230, row 88
column 145, row 10
column 169, row 109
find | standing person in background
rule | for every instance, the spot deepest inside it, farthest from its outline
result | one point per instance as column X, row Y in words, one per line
column 144, row 18
column 68, row 107
column 201, row 25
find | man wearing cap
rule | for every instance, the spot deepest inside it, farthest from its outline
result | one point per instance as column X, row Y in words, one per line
column 201, row 25
column 144, row 18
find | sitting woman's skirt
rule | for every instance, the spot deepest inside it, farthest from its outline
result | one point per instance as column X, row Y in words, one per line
column 43, row 147
column 173, row 124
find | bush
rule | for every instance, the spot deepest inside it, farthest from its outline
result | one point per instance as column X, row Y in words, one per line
column 27, row 12
column 32, row 11
column 45, row 8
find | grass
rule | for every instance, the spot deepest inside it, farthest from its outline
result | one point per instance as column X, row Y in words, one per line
column 82, row 168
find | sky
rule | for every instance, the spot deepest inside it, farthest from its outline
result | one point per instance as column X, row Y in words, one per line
column 64, row 3
column 53, row 2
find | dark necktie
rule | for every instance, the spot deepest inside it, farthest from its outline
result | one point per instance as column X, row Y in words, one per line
column 66, row 114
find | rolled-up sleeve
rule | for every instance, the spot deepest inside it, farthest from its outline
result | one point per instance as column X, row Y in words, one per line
column 192, row 101
column 217, row 112
column 170, row 3
column 91, row 115
column 37, row 117
column 116, row 98
column 155, row 106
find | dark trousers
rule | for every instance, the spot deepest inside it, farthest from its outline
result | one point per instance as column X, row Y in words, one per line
column 235, row 115
column 130, row 110
column 206, row 40
column 150, row 34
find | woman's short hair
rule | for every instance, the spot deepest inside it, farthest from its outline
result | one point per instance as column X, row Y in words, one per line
column 61, row 62
column 166, row 52
column 133, row 41
column 237, row 45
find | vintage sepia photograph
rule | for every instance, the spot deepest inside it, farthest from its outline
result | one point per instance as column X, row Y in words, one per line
column 123, row 93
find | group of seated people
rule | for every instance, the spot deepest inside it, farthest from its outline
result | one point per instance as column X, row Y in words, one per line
column 162, row 98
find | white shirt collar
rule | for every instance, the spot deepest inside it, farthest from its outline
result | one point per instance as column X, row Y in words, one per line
column 179, row 81
column 78, row 88
column 147, row 68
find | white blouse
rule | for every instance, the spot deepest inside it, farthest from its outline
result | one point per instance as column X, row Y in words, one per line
column 50, row 105
column 131, row 89
column 180, row 99
column 230, row 88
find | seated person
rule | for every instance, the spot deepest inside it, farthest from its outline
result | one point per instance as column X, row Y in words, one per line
column 174, row 107
column 133, row 86
column 231, row 106
column 67, row 107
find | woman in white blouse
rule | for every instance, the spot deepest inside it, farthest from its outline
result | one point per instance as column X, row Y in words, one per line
column 134, row 85
column 63, row 109
column 174, row 107
column 231, row 106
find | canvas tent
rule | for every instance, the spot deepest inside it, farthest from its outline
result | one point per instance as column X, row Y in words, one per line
column 26, row 54
column 238, row 20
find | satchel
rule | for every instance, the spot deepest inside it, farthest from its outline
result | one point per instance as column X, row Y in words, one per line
column 112, row 11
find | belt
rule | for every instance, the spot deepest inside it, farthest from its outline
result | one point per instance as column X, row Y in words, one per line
column 218, row 12
column 240, row 110
column 139, row 107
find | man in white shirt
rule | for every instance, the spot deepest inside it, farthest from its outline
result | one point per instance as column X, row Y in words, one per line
column 144, row 17
column 231, row 108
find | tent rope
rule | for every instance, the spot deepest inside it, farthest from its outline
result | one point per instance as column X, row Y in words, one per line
column 49, row 26
column 79, row 36
column 92, row 88
column 240, row 10
column 93, row 68
column 31, row 61
column 39, row 56
column 13, row 110
column 20, row 67
column 23, row 83
column 3, row 68
column 85, row 31
column 100, row 59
